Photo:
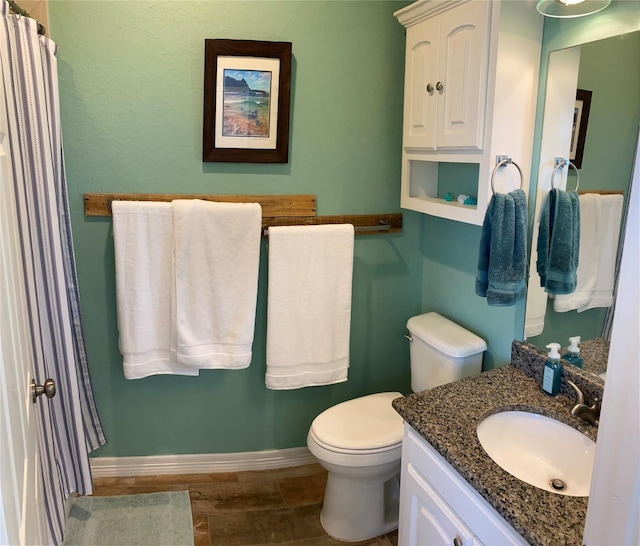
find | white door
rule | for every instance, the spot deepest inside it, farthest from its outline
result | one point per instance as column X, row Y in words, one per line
column 21, row 502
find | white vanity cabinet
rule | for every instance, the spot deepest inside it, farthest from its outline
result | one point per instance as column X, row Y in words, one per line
column 446, row 79
column 471, row 80
column 438, row 507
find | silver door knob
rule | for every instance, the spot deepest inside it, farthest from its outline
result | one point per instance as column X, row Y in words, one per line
column 48, row 389
column 429, row 88
column 439, row 87
column 457, row 541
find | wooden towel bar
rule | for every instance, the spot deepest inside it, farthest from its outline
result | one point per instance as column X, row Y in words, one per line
column 277, row 210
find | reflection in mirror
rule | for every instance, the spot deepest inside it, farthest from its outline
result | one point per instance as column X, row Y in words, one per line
column 609, row 69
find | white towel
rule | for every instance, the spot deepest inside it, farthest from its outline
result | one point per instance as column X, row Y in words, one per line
column 217, row 254
column 309, row 305
column 600, row 217
column 609, row 219
column 143, row 241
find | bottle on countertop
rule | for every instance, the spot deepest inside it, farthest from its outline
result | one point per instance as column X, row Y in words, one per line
column 552, row 370
column 573, row 352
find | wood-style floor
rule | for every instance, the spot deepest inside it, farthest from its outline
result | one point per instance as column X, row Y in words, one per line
column 247, row 508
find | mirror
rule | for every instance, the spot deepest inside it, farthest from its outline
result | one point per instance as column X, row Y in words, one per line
column 609, row 70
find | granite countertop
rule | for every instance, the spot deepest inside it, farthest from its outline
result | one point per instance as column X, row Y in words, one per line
column 447, row 418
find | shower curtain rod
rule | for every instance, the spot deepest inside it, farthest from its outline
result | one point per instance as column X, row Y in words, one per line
column 20, row 11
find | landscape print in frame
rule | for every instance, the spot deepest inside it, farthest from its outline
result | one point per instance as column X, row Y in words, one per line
column 246, row 101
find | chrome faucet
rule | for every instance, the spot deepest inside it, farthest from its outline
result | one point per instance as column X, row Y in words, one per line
column 589, row 414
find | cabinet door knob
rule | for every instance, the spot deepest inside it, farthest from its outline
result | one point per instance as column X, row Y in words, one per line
column 48, row 389
column 439, row 87
column 429, row 88
column 457, row 541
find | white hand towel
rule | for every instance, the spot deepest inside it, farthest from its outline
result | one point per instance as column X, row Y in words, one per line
column 610, row 216
column 309, row 305
column 143, row 241
column 599, row 233
column 217, row 255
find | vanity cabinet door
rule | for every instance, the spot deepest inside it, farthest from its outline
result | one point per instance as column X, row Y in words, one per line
column 425, row 518
column 437, row 506
column 446, row 79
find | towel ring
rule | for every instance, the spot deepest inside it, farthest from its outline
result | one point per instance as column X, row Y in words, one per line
column 505, row 160
column 561, row 162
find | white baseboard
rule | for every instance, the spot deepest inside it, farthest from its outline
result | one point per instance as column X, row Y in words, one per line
column 102, row 467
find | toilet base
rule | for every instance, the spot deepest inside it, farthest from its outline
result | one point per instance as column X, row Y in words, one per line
column 362, row 503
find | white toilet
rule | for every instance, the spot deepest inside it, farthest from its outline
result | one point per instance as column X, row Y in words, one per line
column 359, row 442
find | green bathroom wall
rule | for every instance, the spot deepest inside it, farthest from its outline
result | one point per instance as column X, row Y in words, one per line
column 450, row 257
column 131, row 99
column 131, row 84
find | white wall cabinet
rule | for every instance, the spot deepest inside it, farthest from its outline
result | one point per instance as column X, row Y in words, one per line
column 446, row 77
column 438, row 507
column 471, row 81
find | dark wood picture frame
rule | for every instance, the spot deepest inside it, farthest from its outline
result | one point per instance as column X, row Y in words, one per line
column 241, row 128
column 579, row 131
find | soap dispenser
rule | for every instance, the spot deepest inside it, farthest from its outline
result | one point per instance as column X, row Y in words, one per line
column 552, row 370
column 573, row 352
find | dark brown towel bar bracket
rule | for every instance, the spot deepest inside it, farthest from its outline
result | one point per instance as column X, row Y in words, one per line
column 364, row 224
column 277, row 210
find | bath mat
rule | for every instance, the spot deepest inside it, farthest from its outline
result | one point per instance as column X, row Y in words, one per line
column 149, row 519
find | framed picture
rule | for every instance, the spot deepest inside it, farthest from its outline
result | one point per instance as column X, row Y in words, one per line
column 247, row 87
column 579, row 131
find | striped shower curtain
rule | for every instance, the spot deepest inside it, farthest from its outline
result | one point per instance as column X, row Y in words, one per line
column 70, row 426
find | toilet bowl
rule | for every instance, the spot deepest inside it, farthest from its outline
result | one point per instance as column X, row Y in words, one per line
column 359, row 443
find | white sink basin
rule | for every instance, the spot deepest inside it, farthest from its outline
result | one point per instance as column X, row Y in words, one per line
column 539, row 451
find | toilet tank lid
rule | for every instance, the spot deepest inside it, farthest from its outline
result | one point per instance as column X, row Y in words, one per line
column 445, row 336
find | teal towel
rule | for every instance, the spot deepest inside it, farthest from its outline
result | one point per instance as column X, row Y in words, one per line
column 559, row 242
column 502, row 259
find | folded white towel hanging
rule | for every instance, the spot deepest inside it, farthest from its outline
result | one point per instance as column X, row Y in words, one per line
column 599, row 233
column 309, row 305
column 610, row 217
column 143, row 241
column 217, row 254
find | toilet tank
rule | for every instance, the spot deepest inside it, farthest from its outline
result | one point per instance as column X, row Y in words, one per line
column 442, row 351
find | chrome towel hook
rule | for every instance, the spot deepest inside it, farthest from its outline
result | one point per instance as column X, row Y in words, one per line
column 502, row 160
column 560, row 162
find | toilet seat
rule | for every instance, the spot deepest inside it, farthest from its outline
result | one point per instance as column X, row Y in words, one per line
column 354, row 459
column 364, row 451
column 365, row 426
